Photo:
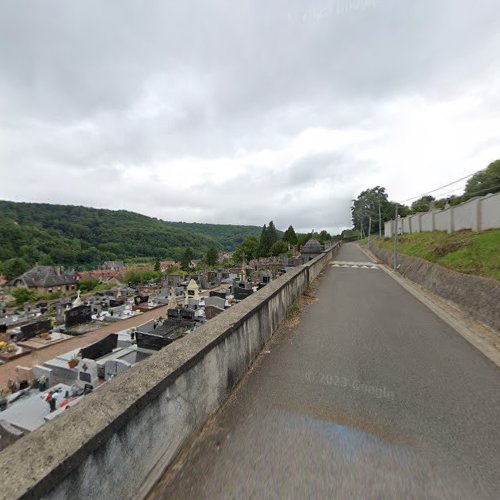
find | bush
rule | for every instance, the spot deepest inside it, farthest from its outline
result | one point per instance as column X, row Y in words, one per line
column 23, row 295
column 135, row 277
column 88, row 284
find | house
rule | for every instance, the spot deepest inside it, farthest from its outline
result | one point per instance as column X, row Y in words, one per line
column 166, row 264
column 114, row 281
column 46, row 279
column 103, row 275
column 113, row 265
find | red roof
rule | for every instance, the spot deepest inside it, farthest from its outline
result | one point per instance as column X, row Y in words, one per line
column 98, row 273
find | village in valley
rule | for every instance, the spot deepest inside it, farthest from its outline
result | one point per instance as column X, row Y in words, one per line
column 65, row 332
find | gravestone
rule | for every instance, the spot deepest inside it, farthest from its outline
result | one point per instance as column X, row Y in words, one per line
column 187, row 314
column 140, row 299
column 43, row 306
column 32, row 329
column 40, row 371
column 222, row 295
column 24, row 373
column 150, row 341
column 87, row 373
column 174, row 313
column 100, row 348
column 193, row 303
column 78, row 315
column 215, row 302
column 114, row 367
column 59, row 314
column 242, row 293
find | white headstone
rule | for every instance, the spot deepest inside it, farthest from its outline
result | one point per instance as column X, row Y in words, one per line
column 87, row 373
column 78, row 300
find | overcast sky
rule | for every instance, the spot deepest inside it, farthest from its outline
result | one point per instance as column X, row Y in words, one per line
column 244, row 111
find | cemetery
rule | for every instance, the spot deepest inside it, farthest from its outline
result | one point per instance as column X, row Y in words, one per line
column 42, row 392
column 45, row 391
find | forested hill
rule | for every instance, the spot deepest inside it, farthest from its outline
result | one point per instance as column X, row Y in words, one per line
column 74, row 235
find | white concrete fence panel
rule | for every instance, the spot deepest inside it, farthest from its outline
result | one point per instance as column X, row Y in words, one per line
column 477, row 214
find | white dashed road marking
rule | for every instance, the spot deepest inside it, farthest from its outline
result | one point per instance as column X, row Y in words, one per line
column 354, row 265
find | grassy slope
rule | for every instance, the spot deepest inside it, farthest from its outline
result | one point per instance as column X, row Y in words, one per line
column 464, row 251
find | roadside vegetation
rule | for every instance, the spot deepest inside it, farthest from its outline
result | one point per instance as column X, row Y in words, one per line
column 373, row 205
column 463, row 251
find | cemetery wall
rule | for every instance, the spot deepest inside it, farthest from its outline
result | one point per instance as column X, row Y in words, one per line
column 477, row 214
column 117, row 442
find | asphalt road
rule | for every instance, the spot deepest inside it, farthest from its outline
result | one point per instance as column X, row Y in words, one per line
column 369, row 396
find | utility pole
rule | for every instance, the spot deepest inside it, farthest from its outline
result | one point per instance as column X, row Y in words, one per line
column 379, row 219
column 369, row 230
column 396, row 240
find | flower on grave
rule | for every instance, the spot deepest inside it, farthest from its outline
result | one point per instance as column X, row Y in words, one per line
column 10, row 347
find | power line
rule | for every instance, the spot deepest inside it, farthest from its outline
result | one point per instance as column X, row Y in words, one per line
column 469, row 194
column 452, row 191
column 439, row 188
column 483, row 190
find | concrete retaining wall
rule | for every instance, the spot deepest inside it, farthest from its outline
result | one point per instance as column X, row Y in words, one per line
column 480, row 297
column 477, row 214
column 116, row 443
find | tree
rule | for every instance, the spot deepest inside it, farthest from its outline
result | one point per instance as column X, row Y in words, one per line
column 272, row 234
column 157, row 267
column 304, row 238
column 22, row 295
column 85, row 237
column 484, row 182
column 249, row 249
column 136, row 276
column 263, row 242
column 366, row 205
column 268, row 238
column 290, row 236
column 186, row 259
column 211, row 256
column 455, row 200
column 87, row 284
column 423, row 204
column 13, row 268
column 324, row 236
column 278, row 248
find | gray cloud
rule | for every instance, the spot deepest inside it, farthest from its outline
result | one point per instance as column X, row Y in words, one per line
column 240, row 112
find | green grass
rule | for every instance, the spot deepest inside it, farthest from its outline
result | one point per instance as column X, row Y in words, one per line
column 464, row 251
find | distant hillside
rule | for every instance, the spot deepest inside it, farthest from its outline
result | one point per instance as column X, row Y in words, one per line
column 74, row 235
